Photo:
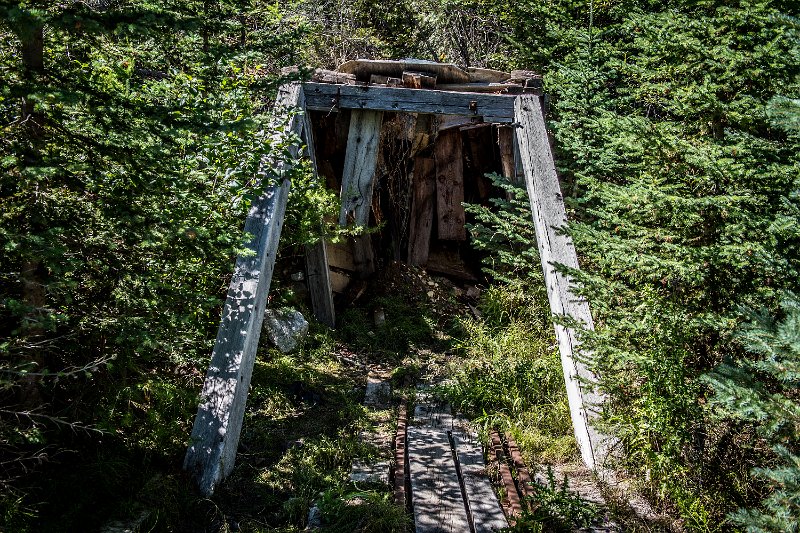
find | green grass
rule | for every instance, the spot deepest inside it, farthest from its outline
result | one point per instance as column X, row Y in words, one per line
column 508, row 375
column 303, row 417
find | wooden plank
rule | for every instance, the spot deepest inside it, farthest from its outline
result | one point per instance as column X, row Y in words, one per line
column 492, row 107
column 341, row 256
column 317, row 274
column 360, row 161
column 320, row 75
column 491, row 88
column 418, row 80
column 484, row 508
column 478, row 141
column 446, row 122
column 512, row 501
column 358, row 176
column 377, row 79
column 339, row 282
column 549, row 215
column 364, row 68
column 485, row 75
column 436, row 493
column 524, row 481
column 400, row 457
column 319, row 283
column 450, row 186
column 505, row 140
column 331, row 76
column 435, row 490
column 422, row 209
column 422, row 134
column 217, row 427
column 363, row 255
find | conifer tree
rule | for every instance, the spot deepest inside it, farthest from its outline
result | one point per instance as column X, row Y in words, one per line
column 678, row 178
column 760, row 388
column 131, row 136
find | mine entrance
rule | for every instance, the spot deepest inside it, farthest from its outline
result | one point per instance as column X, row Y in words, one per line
column 405, row 144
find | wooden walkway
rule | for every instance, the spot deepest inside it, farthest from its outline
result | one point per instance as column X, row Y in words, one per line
column 450, row 491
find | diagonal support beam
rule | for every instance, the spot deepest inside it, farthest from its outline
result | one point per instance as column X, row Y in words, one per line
column 218, row 425
column 549, row 216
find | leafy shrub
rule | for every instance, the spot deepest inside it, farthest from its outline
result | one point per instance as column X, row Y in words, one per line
column 556, row 509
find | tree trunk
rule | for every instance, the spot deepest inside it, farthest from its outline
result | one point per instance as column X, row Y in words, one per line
column 31, row 35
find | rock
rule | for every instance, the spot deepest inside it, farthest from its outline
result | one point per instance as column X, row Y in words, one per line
column 285, row 328
column 473, row 292
column 314, row 519
column 379, row 316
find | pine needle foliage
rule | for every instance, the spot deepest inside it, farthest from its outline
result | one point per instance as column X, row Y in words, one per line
column 762, row 391
column 680, row 187
column 761, row 388
column 132, row 134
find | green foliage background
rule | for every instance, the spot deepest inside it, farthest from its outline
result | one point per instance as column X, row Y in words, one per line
column 128, row 159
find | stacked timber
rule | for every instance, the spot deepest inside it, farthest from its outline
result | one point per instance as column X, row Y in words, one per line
column 405, row 167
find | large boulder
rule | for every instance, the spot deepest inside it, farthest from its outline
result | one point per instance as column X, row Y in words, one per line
column 286, row 327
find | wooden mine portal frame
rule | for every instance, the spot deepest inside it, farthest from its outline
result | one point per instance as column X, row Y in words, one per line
column 369, row 89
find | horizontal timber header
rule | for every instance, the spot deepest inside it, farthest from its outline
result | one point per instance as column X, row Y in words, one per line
column 492, row 107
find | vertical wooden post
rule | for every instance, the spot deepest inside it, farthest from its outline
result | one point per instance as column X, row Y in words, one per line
column 547, row 207
column 422, row 208
column 450, row 186
column 509, row 154
column 317, row 274
column 358, row 176
column 215, row 435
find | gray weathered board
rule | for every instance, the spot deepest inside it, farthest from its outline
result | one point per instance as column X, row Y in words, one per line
column 319, row 283
column 549, row 215
column 360, row 161
column 441, row 501
column 327, row 97
column 215, row 435
column 363, row 69
column 358, row 176
column 484, row 509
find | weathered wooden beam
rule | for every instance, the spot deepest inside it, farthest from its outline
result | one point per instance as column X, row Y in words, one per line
column 505, row 140
column 358, row 176
column 491, row 88
column 360, row 161
column 319, row 283
column 436, row 493
column 423, row 205
column 492, row 107
column 215, row 435
column 485, row 512
column 480, row 159
column 450, row 186
column 317, row 273
column 418, row 80
column 555, row 248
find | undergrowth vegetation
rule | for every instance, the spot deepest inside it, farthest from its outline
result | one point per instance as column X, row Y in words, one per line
column 507, row 375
